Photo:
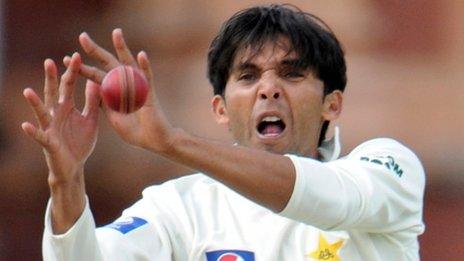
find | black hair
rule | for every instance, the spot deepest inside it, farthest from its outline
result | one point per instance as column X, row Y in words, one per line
column 310, row 38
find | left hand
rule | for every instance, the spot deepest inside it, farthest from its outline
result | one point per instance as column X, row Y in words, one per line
column 147, row 127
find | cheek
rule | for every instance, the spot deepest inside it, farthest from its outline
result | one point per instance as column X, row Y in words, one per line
column 307, row 113
column 239, row 104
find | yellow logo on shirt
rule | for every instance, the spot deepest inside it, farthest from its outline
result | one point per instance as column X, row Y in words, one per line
column 326, row 251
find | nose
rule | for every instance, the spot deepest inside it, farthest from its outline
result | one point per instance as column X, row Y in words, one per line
column 269, row 89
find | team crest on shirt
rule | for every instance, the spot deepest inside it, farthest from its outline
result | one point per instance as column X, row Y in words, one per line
column 326, row 251
column 230, row 255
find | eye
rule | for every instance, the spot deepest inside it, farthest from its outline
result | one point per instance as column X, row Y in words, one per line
column 247, row 77
column 294, row 74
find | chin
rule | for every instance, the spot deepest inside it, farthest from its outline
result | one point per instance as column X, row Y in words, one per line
column 275, row 148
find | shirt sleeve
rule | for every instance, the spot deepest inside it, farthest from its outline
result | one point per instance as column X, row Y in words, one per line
column 377, row 188
column 133, row 236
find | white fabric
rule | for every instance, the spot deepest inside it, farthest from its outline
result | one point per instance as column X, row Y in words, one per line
column 365, row 206
column 330, row 149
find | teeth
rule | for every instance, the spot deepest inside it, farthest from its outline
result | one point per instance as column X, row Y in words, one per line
column 271, row 119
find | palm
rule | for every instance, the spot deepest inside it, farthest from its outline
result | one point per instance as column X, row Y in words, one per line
column 147, row 128
column 72, row 139
column 135, row 127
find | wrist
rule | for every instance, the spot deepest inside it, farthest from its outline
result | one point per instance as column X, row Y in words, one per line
column 69, row 182
column 167, row 146
column 67, row 200
column 66, row 208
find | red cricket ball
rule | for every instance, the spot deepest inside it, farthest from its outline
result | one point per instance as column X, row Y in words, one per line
column 124, row 89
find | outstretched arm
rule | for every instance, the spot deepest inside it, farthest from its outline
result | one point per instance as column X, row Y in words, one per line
column 67, row 137
column 263, row 177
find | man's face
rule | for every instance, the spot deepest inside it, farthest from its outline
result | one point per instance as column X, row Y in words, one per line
column 270, row 103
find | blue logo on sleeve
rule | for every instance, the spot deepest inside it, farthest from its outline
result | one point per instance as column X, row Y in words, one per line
column 230, row 255
column 127, row 224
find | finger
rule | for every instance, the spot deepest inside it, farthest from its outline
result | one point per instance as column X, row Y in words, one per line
column 40, row 111
column 68, row 79
column 92, row 100
column 105, row 58
column 124, row 54
column 90, row 72
column 37, row 134
column 145, row 65
column 51, row 84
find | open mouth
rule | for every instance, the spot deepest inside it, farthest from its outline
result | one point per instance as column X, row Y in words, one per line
column 271, row 126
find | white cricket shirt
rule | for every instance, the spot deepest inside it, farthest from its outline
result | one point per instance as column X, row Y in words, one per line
column 365, row 206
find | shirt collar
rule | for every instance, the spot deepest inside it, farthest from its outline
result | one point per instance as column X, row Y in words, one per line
column 330, row 149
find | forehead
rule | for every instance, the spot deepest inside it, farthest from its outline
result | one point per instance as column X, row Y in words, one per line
column 268, row 53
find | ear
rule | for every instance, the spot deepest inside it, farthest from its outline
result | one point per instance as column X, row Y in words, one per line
column 219, row 109
column 332, row 106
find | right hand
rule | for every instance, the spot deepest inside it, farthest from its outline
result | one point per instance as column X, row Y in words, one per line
column 147, row 127
column 67, row 137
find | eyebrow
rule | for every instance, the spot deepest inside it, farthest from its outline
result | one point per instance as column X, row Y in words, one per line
column 251, row 66
column 296, row 63
column 244, row 66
